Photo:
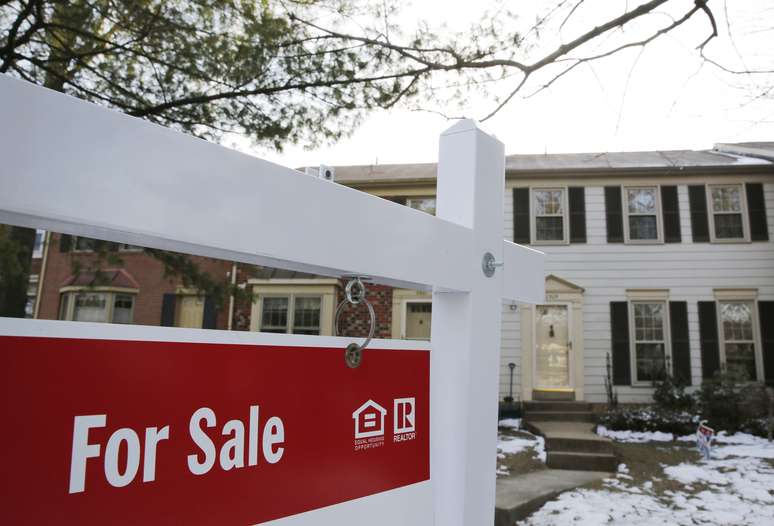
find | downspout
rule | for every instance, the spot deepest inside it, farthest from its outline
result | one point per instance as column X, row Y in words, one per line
column 42, row 276
column 231, row 296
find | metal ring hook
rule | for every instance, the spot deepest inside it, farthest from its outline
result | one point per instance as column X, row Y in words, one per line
column 355, row 293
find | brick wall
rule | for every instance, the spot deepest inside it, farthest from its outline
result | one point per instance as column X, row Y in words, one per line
column 355, row 320
column 147, row 271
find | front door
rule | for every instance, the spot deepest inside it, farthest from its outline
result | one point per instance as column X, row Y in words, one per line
column 552, row 348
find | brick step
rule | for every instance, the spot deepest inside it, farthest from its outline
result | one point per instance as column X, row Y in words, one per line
column 582, row 461
column 570, row 407
column 558, row 416
column 578, row 445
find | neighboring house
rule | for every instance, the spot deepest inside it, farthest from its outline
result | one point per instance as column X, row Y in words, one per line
column 653, row 258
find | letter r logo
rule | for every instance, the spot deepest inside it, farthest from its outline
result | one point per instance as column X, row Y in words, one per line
column 404, row 416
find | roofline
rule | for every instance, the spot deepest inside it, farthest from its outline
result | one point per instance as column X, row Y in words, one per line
column 513, row 173
column 742, row 149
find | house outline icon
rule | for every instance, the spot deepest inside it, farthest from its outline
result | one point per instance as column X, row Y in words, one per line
column 369, row 420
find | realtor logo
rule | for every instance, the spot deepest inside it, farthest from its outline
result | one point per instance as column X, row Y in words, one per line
column 403, row 415
column 369, row 420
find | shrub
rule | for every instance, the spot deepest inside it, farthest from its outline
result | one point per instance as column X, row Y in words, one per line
column 727, row 402
column 677, row 423
column 670, row 395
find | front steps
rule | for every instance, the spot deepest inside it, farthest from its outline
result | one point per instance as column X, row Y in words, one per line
column 570, row 439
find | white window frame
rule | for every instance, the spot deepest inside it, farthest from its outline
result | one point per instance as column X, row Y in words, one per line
column 110, row 293
column 659, row 215
column 324, row 288
column 749, row 296
column 565, row 216
column 647, row 296
column 404, row 317
column 291, row 296
column 37, row 250
column 743, row 211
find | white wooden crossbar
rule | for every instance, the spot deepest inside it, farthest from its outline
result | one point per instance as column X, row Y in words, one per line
column 70, row 166
column 73, row 167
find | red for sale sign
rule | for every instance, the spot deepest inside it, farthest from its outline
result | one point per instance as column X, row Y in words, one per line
column 100, row 431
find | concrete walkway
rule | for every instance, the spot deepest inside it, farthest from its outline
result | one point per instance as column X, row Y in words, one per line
column 520, row 495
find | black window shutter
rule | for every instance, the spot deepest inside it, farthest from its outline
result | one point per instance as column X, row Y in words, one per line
column 681, row 346
column 670, row 208
column 756, row 208
column 697, row 199
column 766, row 314
column 65, row 243
column 619, row 322
column 210, row 317
column 168, row 310
column 577, row 199
column 708, row 336
column 521, row 216
column 613, row 214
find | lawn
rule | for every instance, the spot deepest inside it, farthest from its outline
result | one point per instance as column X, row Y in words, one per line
column 662, row 481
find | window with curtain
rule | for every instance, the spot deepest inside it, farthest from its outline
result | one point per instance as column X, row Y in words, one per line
column 649, row 342
column 727, row 212
column 738, row 334
column 549, row 212
column 642, row 214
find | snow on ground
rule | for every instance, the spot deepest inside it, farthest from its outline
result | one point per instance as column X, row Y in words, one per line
column 634, row 436
column 510, row 423
column 735, row 487
column 511, row 445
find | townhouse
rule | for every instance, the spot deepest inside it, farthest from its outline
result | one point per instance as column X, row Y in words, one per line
column 654, row 260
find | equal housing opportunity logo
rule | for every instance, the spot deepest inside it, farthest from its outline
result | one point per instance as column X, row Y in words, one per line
column 369, row 421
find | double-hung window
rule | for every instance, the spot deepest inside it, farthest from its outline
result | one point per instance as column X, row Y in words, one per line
column 649, row 340
column 549, row 208
column 291, row 314
column 737, row 331
column 727, row 205
column 642, row 215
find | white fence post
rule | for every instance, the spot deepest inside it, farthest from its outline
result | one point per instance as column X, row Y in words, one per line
column 466, row 334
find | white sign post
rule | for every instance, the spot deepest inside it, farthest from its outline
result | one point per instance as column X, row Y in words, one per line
column 73, row 167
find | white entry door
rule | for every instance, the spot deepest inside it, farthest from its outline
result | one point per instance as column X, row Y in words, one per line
column 552, row 347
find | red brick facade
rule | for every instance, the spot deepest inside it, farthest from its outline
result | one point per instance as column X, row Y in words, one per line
column 148, row 272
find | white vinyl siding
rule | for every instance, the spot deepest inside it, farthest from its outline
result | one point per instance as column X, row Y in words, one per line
column 690, row 271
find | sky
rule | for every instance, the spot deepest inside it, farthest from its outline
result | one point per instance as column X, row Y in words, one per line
column 660, row 98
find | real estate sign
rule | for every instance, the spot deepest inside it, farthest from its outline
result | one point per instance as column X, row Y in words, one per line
column 140, row 425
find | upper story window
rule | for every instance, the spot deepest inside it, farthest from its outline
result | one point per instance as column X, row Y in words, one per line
column 87, row 244
column 98, row 306
column 425, row 204
column 727, row 213
column 291, row 314
column 649, row 347
column 549, row 209
column 37, row 249
column 642, row 214
column 737, row 331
